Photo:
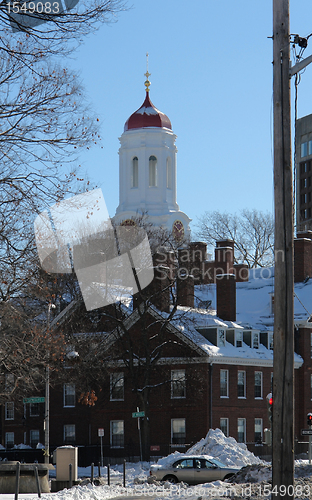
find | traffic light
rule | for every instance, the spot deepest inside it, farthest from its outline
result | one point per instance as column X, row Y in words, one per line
column 309, row 419
column 269, row 399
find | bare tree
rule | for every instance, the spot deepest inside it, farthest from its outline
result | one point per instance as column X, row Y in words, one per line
column 252, row 232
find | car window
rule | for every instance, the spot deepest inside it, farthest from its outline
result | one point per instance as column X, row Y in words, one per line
column 207, row 464
column 184, row 464
column 217, row 462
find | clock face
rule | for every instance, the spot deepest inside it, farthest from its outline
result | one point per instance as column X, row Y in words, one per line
column 178, row 230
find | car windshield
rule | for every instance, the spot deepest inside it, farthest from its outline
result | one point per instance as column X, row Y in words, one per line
column 217, row 462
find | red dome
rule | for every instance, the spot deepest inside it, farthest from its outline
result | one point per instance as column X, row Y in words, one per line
column 147, row 116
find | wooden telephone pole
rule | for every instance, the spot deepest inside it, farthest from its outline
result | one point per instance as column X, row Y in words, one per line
column 283, row 372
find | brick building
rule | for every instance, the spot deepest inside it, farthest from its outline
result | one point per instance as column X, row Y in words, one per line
column 215, row 369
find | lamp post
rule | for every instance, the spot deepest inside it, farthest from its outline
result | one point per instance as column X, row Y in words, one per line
column 47, row 400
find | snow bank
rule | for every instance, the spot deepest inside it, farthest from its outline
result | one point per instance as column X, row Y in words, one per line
column 217, row 445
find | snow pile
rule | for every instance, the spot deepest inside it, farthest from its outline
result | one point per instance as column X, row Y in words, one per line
column 226, row 449
column 217, row 445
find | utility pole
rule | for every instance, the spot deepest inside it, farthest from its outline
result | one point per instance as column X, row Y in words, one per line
column 283, row 376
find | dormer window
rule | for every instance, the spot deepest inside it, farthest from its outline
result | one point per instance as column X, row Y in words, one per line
column 221, row 338
column 255, row 340
column 152, row 171
column 239, row 339
column 135, row 172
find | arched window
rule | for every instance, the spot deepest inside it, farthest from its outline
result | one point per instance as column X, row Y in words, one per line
column 169, row 173
column 135, row 172
column 152, row 171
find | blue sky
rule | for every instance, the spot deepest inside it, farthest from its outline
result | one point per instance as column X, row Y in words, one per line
column 211, row 73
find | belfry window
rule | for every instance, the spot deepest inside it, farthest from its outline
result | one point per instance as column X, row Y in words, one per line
column 135, row 172
column 169, row 174
column 152, row 171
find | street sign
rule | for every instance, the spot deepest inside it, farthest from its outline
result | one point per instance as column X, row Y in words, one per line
column 137, row 414
column 306, row 432
column 100, row 432
column 33, row 400
column 155, row 447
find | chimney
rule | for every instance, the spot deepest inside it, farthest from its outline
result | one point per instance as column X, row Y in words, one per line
column 185, row 290
column 241, row 272
column 226, row 297
column 302, row 258
column 224, row 257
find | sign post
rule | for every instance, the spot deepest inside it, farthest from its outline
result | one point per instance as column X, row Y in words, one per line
column 101, row 434
column 138, row 414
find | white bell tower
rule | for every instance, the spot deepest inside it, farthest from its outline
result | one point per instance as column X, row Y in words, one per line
column 148, row 170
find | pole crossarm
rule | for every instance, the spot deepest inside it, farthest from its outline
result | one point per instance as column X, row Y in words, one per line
column 299, row 66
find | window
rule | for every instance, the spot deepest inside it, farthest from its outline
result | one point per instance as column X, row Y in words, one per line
column 34, row 410
column 258, row 385
column 135, row 173
column 69, row 395
column 271, row 341
column 241, row 384
column 311, row 388
column 224, row 426
column 9, row 439
column 304, row 149
column 9, row 382
column 258, row 430
column 239, row 338
column 117, row 434
column 178, row 431
column 69, row 434
column 255, row 340
column 241, row 430
column 169, row 174
column 224, row 383
column 177, row 384
column 117, row 386
column 221, row 338
column 152, row 171
column 34, row 438
column 9, row 410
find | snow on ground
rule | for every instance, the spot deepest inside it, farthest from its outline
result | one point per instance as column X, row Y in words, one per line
column 138, row 482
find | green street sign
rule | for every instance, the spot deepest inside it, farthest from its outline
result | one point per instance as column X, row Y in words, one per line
column 138, row 414
column 33, row 400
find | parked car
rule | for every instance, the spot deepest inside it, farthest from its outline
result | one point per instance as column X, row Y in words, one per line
column 193, row 470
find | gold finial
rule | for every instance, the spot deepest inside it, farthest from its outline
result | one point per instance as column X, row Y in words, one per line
column 147, row 74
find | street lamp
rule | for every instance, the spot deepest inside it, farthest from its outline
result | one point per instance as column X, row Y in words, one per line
column 47, row 400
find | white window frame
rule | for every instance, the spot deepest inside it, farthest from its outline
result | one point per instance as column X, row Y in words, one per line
column 241, row 422
column 178, row 384
column 258, row 424
column 173, row 433
column 261, row 384
column 239, row 338
column 9, row 410
column 31, row 440
column 241, row 376
column 69, row 391
column 135, row 172
column 9, row 442
column 34, row 410
column 117, row 379
column 152, row 171
column 225, row 421
column 255, row 340
column 68, row 430
column 271, row 341
column 221, row 337
column 121, row 426
column 226, row 383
